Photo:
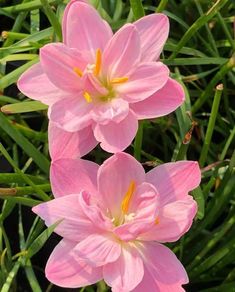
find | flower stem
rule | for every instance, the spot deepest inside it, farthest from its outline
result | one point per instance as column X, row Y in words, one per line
column 101, row 287
column 161, row 6
column 211, row 124
column 138, row 141
column 52, row 18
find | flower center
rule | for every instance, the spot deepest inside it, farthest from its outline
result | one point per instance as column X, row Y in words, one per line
column 103, row 81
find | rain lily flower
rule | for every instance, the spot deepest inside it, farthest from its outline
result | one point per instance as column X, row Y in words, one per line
column 114, row 219
column 104, row 82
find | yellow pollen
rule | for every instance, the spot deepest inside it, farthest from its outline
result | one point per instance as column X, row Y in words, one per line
column 87, row 97
column 127, row 197
column 119, row 80
column 78, row 71
column 98, row 62
column 157, row 221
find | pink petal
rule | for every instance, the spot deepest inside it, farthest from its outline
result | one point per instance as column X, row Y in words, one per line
column 83, row 28
column 93, row 210
column 142, row 212
column 75, row 225
column 64, row 270
column 58, row 62
column 114, row 178
column 116, row 137
column 98, row 250
column 174, row 180
column 153, row 30
column 162, row 270
column 122, row 53
column 125, row 273
column 71, row 176
column 144, row 81
column 35, row 84
column 161, row 103
column 115, row 110
column 174, row 220
column 64, row 144
column 71, row 114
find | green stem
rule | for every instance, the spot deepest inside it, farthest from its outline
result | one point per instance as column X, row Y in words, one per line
column 14, row 35
column 197, row 25
column 218, row 76
column 22, row 191
column 138, row 141
column 137, row 8
column 211, row 125
column 27, row 6
column 101, row 287
column 161, row 6
column 52, row 18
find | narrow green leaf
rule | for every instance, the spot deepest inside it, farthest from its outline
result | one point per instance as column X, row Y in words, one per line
column 41, row 240
column 12, row 77
column 22, row 201
column 52, row 18
column 198, row 24
column 137, row 8
column 27, row 146
column 211, row 125
column 12, row 274
column 23, row 107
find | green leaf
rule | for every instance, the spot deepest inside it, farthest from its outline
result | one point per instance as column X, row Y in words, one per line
column 41, row 240
column 22, row 201
column 24, row 143
column 137, row 8
column 23, row 107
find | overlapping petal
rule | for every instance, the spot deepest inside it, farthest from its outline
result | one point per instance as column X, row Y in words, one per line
column 144, row 81
column 35, row 84
column 125, row 273
column 161, row 103
column 162, row 270
column 74, row 225
column 174, row 180
column 84, row 29
column 114, row 110
column 142, row 213
column 71, row 176
column 122, row 53
column 71, row 114
column 98, row 249
column 63, row 144
column 153, row 30
column 173, row 221
column 64, row 270
column 115, row 137
column 58, row 62
column 114, row 170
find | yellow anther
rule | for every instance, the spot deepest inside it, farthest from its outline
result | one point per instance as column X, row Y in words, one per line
column 78, row 71
column 157, row 221
column 119, row 80
column 98, row 62
column 87, row 97
column 127, row 197
column 5, row 34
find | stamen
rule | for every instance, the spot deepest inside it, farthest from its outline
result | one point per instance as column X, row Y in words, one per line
column 157, row 221
column 87, row 97
column 78, row 71
column 119, row 80
column 98, row 62
column 127, row 197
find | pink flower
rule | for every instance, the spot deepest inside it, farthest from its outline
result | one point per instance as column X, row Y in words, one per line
column 104, row 82
column 115, row 219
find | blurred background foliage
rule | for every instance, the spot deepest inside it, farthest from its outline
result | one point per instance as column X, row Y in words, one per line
column 200, row 52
